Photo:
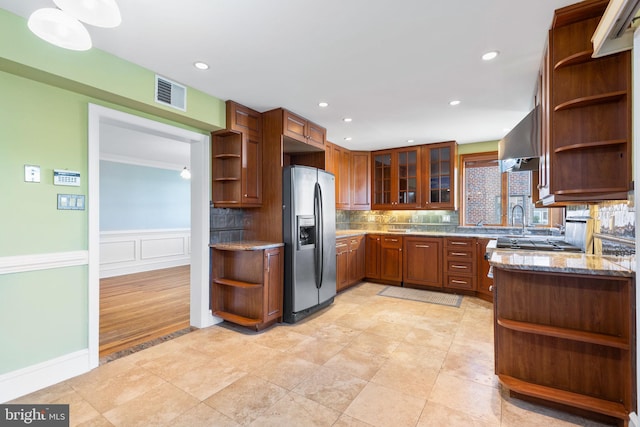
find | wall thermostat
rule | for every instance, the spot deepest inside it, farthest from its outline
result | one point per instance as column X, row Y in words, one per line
column 65, row 177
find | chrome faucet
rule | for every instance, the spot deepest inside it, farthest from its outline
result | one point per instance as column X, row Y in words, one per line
column 524, row 222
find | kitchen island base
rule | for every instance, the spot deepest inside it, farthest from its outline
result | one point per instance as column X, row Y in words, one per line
column 568, row 339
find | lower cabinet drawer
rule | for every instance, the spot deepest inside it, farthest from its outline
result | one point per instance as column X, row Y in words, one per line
column 457, row 267
column 460, row 282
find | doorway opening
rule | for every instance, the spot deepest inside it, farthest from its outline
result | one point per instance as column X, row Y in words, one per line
column 99, row 119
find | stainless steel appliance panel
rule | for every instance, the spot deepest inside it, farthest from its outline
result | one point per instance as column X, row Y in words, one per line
column 309, row 237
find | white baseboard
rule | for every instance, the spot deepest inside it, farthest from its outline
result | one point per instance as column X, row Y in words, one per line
column 36, row 377
column 136, row 251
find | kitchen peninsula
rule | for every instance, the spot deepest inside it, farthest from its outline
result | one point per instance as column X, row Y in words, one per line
column 565, row 329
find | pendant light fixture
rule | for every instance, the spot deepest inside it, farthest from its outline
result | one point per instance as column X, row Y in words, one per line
column 186, row 173
column 62, row 27
column 99, row 13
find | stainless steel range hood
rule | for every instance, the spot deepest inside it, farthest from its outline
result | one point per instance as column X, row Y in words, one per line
column 519, row 150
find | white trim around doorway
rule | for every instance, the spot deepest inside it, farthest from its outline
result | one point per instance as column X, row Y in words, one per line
column 200, row 314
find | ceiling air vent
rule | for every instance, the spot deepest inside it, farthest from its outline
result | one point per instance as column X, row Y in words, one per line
column 171, row 93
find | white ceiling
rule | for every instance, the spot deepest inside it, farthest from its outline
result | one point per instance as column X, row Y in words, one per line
column 391, row 65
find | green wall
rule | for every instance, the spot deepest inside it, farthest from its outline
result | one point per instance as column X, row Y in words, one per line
column 477, row 147
column 43, row 315
column 44, row 121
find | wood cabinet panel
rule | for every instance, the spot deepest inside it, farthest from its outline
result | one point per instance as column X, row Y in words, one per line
column 247, row 286
column 342, row 263
column 439, row 179
column 342, row 173
column 372, row 265
column 567, row 338
column 237, row 159
column 460, row 258
column 396, row 178
column 356, row 259
column 303, row 130
column 391, row 259
column 350, row 261
column 484, row 283
column 587, row 121
column 360, row 180
column 422, row 262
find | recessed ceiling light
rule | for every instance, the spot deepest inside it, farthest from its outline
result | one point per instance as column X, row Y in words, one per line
column 347, row 120
column 348, row 138
column 323, row 104
column 201, row 65
column 454, row 102
column 490, row 55
column 410, row 141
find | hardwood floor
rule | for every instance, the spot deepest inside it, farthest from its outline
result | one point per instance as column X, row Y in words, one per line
column 140, row 307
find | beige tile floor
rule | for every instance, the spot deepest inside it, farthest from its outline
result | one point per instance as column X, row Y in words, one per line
column 367, row 360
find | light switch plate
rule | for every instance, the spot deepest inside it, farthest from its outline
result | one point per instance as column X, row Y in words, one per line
column 31, row 173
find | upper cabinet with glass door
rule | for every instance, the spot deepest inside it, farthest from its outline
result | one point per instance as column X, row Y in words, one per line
column 396, row 178
column 439, row 182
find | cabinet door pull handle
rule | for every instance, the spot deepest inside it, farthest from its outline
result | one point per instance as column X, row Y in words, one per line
column 391, row 240
column 423, row 246
column 458, row 253
column 491, row 288
column 268, row 262
column 459, row 243
column 458, row 281
column 461, row 267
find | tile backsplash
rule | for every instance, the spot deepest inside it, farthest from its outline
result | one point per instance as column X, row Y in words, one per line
column 226, row 225
column 615, row 219
column 444, row 221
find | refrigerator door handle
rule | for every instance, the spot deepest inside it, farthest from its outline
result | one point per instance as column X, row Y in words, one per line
column 319, row 264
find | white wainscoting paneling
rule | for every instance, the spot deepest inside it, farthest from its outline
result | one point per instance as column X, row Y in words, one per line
column 135, row 251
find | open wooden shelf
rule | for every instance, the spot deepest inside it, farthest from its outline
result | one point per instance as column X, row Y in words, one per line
column 236, row 283
column 237, row 319
column 586, row 101
column 576, row 58
column 590, row 145
column 564, row 333
column 601, row 406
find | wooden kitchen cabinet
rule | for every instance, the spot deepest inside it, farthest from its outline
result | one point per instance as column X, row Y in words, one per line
column 360, row 171
column 237, row 159
column 439, row 181
column 303, row 130
column 567, row 339
column 396, row 176
column 247, row 285
column 484, row 283
column 357, row 255
column 342, row 263
column 372, row 249
column 350, row 261
column 422, row 262
column 391, row 259
column 460, row 259
column 587, row 138
column 342, row 172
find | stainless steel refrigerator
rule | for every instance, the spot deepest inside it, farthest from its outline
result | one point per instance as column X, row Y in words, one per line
column 309, row 230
